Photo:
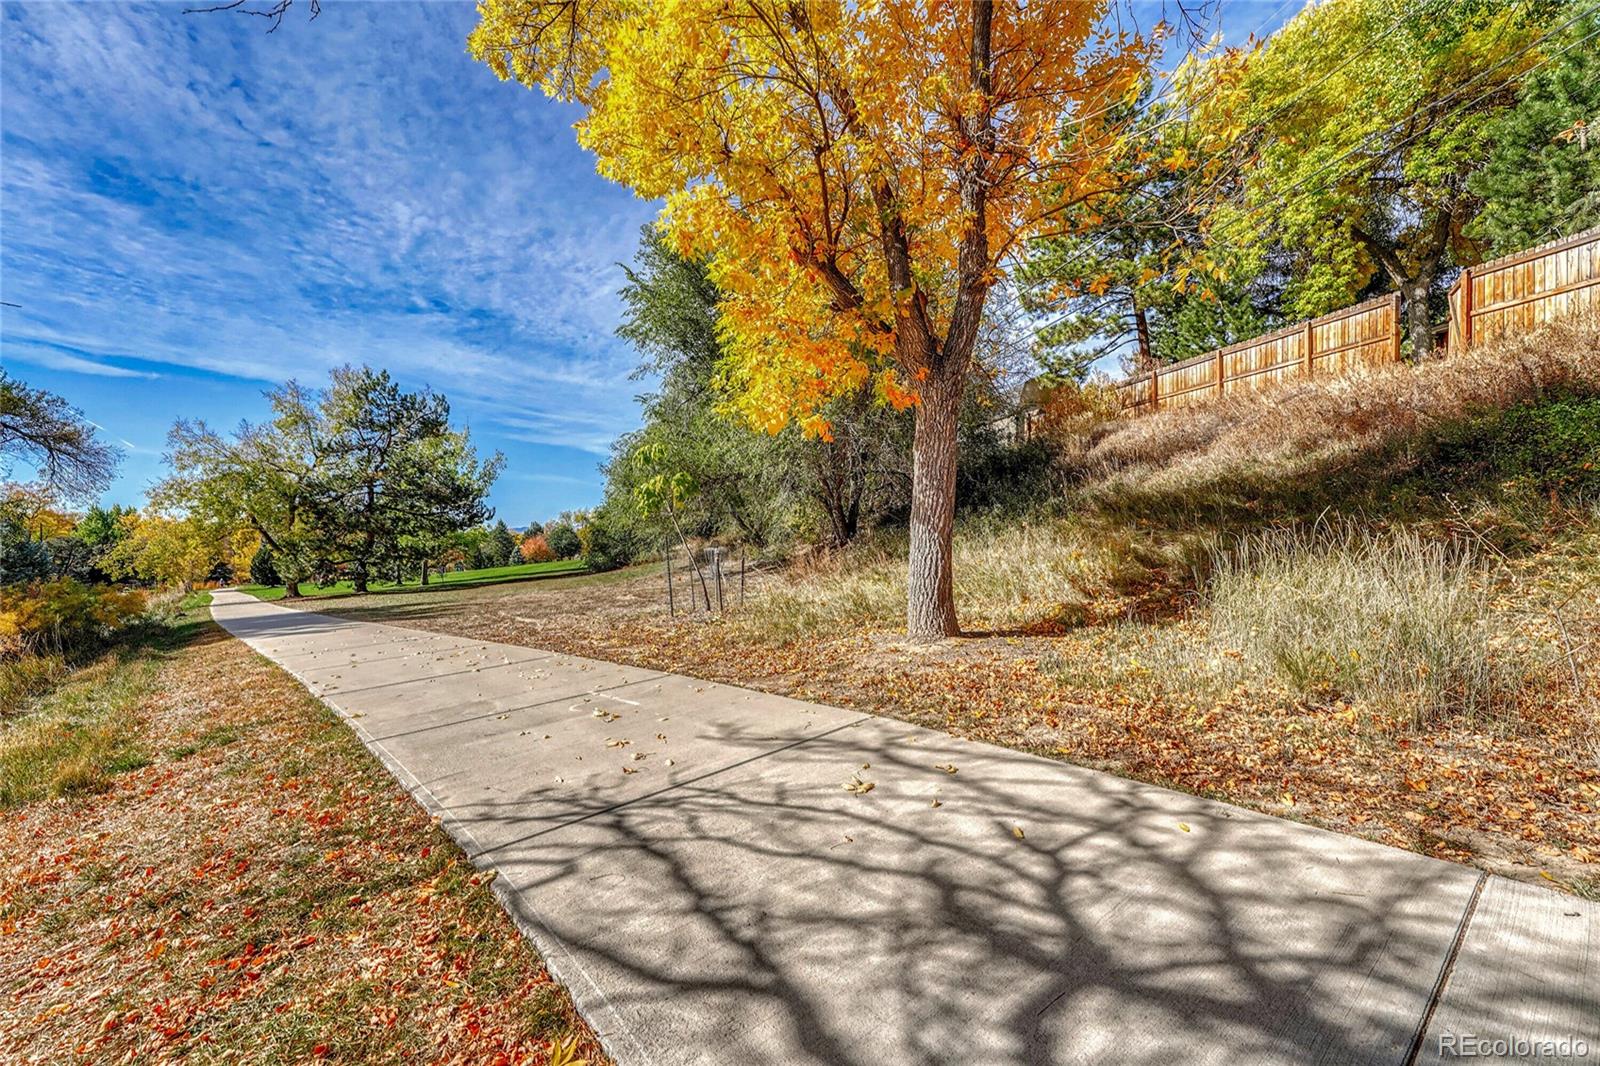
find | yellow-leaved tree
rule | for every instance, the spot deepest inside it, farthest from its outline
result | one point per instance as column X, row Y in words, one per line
column 857, row 173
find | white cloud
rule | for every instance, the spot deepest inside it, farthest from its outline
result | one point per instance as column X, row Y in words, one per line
column 192, row 190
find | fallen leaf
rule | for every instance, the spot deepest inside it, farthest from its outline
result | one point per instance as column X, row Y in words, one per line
column 948, row 768
column 1017, row 832
column 858, row 786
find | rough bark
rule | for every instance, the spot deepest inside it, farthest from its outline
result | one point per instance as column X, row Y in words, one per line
column 1413, row 277
column 930, row 586
column 1419, row 323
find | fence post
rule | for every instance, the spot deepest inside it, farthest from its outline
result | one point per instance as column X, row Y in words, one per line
column 1155, row 388
column 1466, row 309
column 1310, row 333
column 1394, row 325
column 1220, row 379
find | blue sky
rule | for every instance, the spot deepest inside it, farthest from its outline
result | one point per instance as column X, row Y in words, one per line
column 192, row 210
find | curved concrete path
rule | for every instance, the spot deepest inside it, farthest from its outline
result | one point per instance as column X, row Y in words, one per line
column 688, row 860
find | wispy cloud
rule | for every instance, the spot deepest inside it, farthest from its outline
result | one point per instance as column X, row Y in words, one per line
column 42, row 353
column 213, row 199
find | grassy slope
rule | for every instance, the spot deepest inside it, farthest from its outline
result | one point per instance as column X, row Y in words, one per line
column 187, row 873
column 488, row 576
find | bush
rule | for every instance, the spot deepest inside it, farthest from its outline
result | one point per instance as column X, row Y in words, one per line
column 62, row 616
column 21, row 558
column 563, row 540
column 1006, row 477
column 1548, row 448
column 536, row 549
column 607, row 545
column 1397, row 621
column 264, row 568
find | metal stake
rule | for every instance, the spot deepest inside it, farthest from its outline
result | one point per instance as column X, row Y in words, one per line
column 672, row 611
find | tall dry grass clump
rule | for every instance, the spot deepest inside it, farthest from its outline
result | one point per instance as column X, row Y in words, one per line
column 1395, row 620
column 1008, row 572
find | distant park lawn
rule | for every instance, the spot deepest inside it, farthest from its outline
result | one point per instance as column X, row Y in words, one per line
column 487, row 576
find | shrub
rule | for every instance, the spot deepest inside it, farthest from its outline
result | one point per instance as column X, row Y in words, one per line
column 536, row 549
column 1007, row 476
column 62, row 616
column 607, row 545
column 563, row 540
column 264, row 568
column 1549, row 448
column 1397, row 621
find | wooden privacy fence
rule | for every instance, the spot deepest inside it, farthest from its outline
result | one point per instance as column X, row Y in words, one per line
column 1367, row 334
column 1520, row 291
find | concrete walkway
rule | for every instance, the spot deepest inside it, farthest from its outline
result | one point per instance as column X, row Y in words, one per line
column 689, row 862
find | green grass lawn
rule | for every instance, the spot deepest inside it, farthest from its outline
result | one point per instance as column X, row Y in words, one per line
column 461, row 578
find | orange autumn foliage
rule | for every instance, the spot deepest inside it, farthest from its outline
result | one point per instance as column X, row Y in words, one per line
column 536, row 549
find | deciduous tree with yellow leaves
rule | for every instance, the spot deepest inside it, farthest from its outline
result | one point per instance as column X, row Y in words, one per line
column 858, row 174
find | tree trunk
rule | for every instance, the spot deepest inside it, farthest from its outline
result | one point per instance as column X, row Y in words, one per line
column 1414, row 277
column 358, row 572
column 930, row 587
column 424, row 572
column 291, row 588
column 1141, row 328
column 1419, row 324
column 930, row 584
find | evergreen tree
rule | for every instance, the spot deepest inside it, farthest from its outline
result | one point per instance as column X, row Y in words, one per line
column 1542, row 180
column 263, row 570
column 503, row 547
column 396, row 469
